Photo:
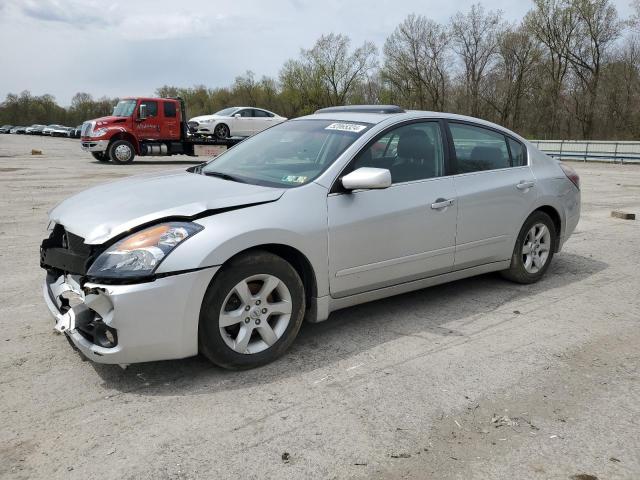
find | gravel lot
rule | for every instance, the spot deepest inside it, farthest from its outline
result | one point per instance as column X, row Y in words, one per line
column 477, row 379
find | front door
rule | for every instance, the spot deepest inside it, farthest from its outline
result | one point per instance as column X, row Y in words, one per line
column 379, row 238
column 148, row 128
column 241, row 124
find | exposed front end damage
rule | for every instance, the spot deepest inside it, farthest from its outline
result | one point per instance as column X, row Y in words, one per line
column 152, row 319
column 122, row 324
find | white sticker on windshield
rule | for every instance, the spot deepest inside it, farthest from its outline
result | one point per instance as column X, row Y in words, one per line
column 346, row 127
column 294, row 179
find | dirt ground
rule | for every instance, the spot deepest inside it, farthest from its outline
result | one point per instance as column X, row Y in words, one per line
column 477, row 379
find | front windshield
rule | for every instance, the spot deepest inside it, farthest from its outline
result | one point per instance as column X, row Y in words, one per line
column 287, row 155
column 124, row 108
column 226, row 112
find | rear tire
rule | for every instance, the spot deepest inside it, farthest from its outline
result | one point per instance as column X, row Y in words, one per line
column 534, row 249
column 122, row 152
column 100, row 156
column 251, row 312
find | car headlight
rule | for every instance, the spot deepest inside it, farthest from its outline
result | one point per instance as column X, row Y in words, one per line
column 210, row 120
column 99, row 132
column 139, row 254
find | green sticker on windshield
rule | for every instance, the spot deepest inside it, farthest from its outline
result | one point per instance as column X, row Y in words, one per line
column 294, row 178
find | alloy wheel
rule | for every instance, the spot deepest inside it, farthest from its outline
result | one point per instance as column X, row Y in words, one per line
column 255, row 314
column 536, row 248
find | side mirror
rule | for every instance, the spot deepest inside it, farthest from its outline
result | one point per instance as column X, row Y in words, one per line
column 142, row 112
column 237, row 115
column 367, row 178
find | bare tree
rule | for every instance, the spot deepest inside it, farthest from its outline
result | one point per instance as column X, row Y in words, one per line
column 597, row 29
column 475, row 37
column 513, row 75
column 338, row 68
column 553, row 25
column 416, row 62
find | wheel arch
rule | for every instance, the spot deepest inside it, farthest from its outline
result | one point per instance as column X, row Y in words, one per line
column 298, row 261
column 555, row 217
column 128, row 137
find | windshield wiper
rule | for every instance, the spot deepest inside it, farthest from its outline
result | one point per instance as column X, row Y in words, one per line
column 224, row 176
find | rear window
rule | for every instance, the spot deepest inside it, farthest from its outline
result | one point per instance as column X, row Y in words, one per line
column 169, row 109
column 478, row 149
column 518, row 153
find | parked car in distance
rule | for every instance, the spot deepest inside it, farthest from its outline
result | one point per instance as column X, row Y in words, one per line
column 74, row 132
column 61, row 131
column 234, row 122
column 221, row 259
column 35, row 129
column 6, row 128
column 49, row 128
column 19, row 130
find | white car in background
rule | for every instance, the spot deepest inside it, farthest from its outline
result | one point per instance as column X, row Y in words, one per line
column 50, row 128
column 234, row 122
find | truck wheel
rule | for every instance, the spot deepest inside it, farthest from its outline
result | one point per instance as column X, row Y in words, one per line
column 221, row 131
column 122, row 152
column 251, row 312
column 100, row 156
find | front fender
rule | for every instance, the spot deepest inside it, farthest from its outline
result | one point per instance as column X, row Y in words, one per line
column 298, row 220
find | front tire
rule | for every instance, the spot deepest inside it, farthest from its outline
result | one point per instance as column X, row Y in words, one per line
column 251, row 312
column 534, row 249
column 100, row 156
column 121, row 152
column 221, row 131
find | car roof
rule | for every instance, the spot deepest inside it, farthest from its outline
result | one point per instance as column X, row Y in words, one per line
column 374, row 118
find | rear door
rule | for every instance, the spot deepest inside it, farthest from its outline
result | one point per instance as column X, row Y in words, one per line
column 379, row 238
column 148, row 128
column 170, row 123
column 262, row 119
column 496, row 191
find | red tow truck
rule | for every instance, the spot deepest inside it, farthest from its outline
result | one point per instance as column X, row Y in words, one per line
column 147, row 127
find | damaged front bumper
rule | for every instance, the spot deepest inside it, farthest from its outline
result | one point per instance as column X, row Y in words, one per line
column 123, row 324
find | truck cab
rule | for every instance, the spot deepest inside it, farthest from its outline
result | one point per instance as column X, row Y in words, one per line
column 145, row 126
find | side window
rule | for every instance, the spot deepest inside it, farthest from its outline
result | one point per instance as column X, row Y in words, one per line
column 247, row 112
column 411, row 152
column 260, row 113
column 152, row 108
column 518, row 153
column 478, row 148
column 169, row 109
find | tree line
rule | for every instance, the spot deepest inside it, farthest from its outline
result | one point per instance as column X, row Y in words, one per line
column 568, row 69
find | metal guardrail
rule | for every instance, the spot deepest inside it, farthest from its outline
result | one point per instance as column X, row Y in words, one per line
column 594, row 151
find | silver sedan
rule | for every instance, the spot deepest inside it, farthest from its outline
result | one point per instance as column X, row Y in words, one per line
column 338, row 208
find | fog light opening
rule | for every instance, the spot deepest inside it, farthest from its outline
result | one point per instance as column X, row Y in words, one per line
column 105, row 336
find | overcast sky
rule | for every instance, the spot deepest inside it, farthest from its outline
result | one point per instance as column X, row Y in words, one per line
column 131, row 47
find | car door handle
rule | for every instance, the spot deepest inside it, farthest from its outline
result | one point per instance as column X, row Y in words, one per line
column 524, row 185
column 441, row 203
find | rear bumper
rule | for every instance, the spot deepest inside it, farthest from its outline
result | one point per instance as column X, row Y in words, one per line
column 151, row 321
column 94, row 145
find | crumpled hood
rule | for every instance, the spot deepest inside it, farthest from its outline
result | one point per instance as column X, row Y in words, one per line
column 107, row 210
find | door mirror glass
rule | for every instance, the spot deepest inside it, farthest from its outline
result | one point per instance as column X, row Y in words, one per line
column 367, row 178
column 142, row 112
